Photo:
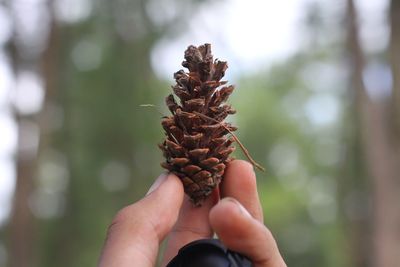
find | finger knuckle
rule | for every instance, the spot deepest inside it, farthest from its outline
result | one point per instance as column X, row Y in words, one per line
column 122, row 216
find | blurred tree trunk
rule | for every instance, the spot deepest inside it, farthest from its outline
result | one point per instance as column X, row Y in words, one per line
column 395, row 60
column 21, row 224
column 381, row 154
column 394, row 234
column 355, row 167
column 49, row 68
column 21, row 221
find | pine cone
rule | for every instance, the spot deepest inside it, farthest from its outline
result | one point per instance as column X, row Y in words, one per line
column 196, row 147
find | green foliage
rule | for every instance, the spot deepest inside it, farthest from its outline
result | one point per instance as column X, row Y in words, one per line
column 298, row 190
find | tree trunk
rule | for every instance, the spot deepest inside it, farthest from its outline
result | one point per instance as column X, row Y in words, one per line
column 22, row 223
column 21, row 226
column 381, row 155
column 395, row 60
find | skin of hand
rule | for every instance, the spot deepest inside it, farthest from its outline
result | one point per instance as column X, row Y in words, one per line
column 137, row 230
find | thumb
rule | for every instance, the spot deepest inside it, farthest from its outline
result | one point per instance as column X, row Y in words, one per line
column 137, row 230
column 242, row 233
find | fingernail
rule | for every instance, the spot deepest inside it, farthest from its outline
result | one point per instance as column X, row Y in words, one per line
column 157, row 183
column 240, row 207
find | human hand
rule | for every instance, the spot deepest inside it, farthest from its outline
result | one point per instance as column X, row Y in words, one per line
column 137, row 230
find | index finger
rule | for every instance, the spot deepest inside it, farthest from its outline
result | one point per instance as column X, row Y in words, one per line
column 240, row 182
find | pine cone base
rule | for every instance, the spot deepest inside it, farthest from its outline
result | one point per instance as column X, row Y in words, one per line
column 196, row 147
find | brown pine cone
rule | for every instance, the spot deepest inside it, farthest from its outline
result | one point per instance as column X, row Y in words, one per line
column 196, row 147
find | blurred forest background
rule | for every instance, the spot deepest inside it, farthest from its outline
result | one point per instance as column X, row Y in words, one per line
column 324, row 120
